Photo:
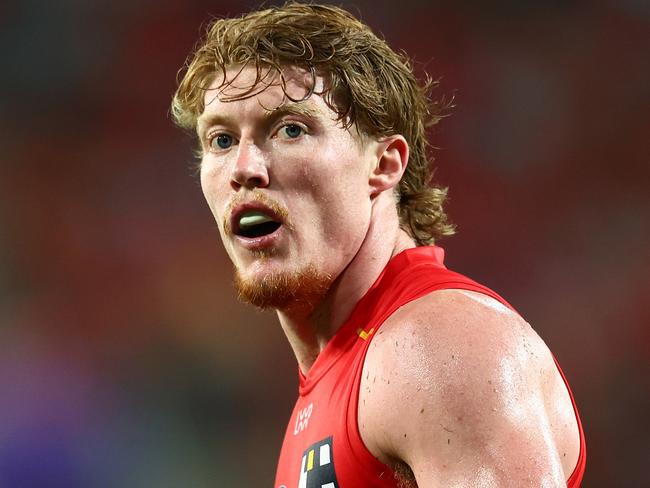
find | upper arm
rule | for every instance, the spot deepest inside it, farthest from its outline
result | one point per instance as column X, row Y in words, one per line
column 466, row 394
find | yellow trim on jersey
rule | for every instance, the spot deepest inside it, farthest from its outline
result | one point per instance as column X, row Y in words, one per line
column 363, row 334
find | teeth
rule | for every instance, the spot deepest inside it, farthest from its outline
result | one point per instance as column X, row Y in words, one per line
column 250, row 219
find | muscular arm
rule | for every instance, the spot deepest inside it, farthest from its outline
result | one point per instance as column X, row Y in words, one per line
column 462, row 391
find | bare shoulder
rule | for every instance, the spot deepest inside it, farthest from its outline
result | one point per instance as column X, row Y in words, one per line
column 457, row 375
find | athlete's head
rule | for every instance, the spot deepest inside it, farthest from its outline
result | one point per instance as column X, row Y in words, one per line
column 298, row 108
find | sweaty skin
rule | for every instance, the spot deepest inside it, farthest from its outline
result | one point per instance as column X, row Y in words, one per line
column 460, row 391
column 337, row 192
column 474, row 398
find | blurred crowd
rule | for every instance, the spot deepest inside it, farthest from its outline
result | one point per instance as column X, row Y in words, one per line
column 125, row 359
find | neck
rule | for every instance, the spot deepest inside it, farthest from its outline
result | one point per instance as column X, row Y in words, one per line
column 310, row 329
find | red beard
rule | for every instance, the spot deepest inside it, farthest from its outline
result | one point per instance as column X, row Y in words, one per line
column 284, row 290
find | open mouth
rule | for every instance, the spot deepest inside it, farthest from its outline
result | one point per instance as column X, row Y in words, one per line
column 254, row 223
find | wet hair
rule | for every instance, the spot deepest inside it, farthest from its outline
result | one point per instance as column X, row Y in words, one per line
column 367, row 84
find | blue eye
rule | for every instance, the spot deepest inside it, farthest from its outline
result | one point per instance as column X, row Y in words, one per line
column 222, row 141
column 292, row 130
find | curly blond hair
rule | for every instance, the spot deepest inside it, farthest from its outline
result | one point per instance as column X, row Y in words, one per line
column 368, row 85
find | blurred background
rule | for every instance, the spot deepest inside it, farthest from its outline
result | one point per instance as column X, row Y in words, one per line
column 125, row 360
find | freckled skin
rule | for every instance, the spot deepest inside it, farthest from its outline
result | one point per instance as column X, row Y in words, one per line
column 456, row 392
column 337, row 190
column 480, row 398
column 329, row 221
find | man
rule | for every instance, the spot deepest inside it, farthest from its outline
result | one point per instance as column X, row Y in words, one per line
column 313, row 162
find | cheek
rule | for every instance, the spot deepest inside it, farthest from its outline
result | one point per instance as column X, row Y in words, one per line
column 211, row 188
column 344, row 210
column 205, row 187
column 349, row 183
column 338, row 184
column 344, row 228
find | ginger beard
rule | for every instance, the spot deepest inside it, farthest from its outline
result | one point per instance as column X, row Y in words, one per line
column 285, row 290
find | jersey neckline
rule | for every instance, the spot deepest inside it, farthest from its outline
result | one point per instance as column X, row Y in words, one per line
column 347, row 334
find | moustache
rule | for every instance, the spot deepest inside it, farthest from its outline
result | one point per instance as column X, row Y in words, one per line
column 255, row 196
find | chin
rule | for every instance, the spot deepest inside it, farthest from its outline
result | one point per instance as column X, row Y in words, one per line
column 282, row 289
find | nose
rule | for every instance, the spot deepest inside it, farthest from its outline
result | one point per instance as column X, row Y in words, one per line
column 249, row 170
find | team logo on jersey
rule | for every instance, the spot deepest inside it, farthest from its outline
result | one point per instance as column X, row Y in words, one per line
column 302, row 419
column 317, row 470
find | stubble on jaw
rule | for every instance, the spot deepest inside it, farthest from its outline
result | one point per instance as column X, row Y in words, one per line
column 284, row 290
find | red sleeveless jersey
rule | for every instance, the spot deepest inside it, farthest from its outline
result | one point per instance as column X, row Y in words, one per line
column 322, row 446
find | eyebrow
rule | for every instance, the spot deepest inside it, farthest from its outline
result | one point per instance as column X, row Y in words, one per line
column 268, row 117
column 293, row 108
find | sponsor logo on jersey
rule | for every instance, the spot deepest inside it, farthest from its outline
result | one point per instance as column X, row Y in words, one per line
column 317, row 469
column 302, row 419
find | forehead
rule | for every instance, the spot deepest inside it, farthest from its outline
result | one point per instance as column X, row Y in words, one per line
column 266, row 87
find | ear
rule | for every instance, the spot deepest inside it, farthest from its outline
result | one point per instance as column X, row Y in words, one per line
column 392, row 154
